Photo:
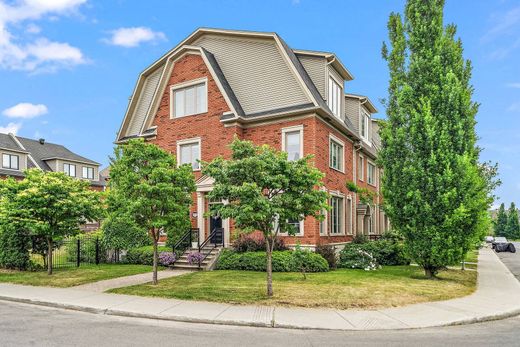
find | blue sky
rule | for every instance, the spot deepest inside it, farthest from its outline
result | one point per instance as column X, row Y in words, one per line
column 67, row 67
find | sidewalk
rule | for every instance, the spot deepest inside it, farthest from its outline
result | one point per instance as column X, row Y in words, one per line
column 497, row 296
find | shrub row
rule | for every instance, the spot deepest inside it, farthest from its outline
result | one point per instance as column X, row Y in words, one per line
column 283, row 261
column 384, row 251
column 255, row 242
column 143, row 255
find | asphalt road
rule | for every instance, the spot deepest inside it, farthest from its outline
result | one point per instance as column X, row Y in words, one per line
column 28, row 325
column 512, row 260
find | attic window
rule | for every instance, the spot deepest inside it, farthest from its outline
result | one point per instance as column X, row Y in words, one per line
column 189, row 98
column 334, row 97
column 10, row 161
column 364, row 126
column 69, row 169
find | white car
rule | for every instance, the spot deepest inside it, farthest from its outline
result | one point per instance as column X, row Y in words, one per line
column 489, row 239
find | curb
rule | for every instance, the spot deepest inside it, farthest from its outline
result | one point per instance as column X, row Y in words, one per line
column 272, row 324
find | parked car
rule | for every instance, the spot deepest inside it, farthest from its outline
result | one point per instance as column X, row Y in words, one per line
column 489, row 239
column 500, row 244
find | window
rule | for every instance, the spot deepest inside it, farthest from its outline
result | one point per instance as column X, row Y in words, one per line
column 11, row 161
column 189, row 153
column 334, row 97
column 88, row 172
column 336, row 154
column 371, row 174
column 349, row 215
column 189, row 100
column 364, row 126
column 336, row 215
column 297, row 226
column 69, row 169
column 292, row 142
column 361, row 168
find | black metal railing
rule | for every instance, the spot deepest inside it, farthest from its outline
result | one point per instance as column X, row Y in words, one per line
column 374, row 237
column 186, row 241
column 214, row 240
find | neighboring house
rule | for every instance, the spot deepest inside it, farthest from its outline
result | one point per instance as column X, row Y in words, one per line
column 218, row 84
column 19, row 153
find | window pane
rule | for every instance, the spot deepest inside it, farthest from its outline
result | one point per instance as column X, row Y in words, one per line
column 195, row 156
column 201, row 98
column 73, row 170
column 85, row 172
column 292, row 145
column 14, row 162
column 5, row 160
column 185, row 154
column 190, row 100
column 179, row 103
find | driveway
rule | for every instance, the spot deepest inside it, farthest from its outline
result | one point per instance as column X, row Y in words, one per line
column 512, row 260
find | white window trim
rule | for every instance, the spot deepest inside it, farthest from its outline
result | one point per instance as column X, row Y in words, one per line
column 68, row 172
column 11, row 155
column 189, row 142
column 333, row 138
column 362, row 178
column 350, row 227
column 300, row 234
column 362, row 114
column 373, row 184
column 341, row 95
column 294, row 129
column 93, row 172
column 324, row 224
column 187, row 84
column 342, row 215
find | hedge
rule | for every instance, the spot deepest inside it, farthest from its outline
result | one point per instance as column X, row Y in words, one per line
column 385, row 252
column 143, row 255
column 283, row 261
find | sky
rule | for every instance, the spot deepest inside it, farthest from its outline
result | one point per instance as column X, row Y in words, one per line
column 68, row 67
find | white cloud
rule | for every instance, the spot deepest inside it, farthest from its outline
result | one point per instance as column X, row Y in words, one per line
column 10, row 128
column 514, row 107
column 41, row 54
column 504, row 23
column 133, row 37
column 514, row 85
column 25, row 110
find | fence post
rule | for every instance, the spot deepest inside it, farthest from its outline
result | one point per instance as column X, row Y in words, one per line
column 78, row 258
column 97, row 250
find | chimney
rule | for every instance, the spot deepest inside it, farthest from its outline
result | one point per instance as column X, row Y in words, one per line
column 42, row 141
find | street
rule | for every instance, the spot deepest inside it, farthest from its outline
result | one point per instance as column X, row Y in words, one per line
column 512, row 260
column 28, row 325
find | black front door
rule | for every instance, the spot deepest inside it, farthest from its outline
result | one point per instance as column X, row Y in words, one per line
column 214, row 223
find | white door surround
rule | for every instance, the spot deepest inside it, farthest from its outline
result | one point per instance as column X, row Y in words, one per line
column 204, row 185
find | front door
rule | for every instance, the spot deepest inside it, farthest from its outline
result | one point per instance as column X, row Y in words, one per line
column 215, row 222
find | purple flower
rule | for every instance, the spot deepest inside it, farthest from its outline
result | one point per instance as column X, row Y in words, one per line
column 195, row 257
column 167, row 258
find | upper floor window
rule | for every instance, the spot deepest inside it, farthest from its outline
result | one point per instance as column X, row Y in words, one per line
column 189, row 99
column 69, row 169
column 361, row 168
column 188, row 152
column 334, row 97
column 371, row 173
column 292, row 142
column 336, row 154
column 88, row 172
column 365, row 125
column 11, row 161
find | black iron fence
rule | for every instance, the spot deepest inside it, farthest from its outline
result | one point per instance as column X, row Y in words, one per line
column 72, row 252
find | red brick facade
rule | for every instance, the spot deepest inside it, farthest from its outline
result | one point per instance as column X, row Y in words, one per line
column 215, row 137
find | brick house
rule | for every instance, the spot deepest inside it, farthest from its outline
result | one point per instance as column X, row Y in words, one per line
column 218, row 84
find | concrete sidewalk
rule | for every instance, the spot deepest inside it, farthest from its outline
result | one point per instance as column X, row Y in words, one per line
column 497, row 296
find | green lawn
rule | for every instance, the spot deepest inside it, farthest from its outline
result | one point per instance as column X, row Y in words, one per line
column 344, row 288
column 72, row 276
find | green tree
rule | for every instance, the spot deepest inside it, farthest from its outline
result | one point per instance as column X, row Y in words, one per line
column 264, row 191
column 51, row 205
column 150, row 192
column 435, row 191
column 501, row 221
column 513, row 225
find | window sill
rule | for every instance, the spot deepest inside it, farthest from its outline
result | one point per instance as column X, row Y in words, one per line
column 188, row 115
column 342, row 171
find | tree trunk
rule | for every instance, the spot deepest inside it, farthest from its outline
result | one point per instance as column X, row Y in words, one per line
column 463, row 267
column 155, row 261
column 49, row 255
column 430, row 272
column 269, row 253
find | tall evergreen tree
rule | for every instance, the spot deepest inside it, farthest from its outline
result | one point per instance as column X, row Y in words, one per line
column 436, row 193
column 513, row 225
column 501, row 221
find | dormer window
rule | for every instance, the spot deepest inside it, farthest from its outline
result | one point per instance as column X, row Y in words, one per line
column 334, row 97
column 88, row 172
column 364, row 125
column 69, row 169
column 11, row 161
column 189, row 98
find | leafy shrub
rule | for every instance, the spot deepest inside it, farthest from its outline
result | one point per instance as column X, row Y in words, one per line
column 358, row 258
column 384, row 251
column 194, row 257
column 283, row 261
column 328, row 252
column 255, row 242
column 167, row 258
column 39, row 246
column 143, row 255
column 360, row 238
column 14, row 248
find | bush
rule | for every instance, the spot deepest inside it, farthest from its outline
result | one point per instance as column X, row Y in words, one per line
column 358, row 258
column 143, row 255
column 167, row 258
column 194, row 257
column 385, row 252
column 328, row 252
column 255, row 242
column 14, row 248
column 283, row 261
column 360, row 238
column 87, row 251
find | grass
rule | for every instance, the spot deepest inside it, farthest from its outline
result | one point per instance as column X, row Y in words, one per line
column 73, row 276
column 343, row 288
